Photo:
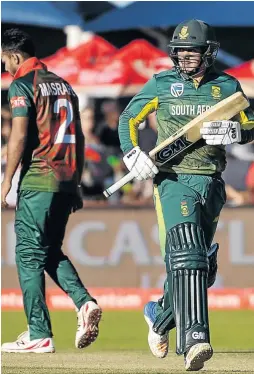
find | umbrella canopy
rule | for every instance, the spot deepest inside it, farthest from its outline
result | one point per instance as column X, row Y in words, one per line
column 114, row 79
column 125, row 73
column 245, row 74
column 68, row 63
column 98, row 69
column 144, row 58
column 143, row 14
column 88, row 9
column 243, row 71
column 38, row 13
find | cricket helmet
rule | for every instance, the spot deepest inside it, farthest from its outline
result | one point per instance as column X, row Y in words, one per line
column 194, row 34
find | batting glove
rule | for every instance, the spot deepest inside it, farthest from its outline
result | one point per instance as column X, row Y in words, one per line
column 221, row 132
column 141, row 166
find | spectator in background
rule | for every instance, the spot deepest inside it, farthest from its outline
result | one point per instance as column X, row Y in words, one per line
column 107, row 130
column 244, row 152
column 238, row 174
column 238, row 197
column 88, row 124
column 147, row 133
column 97, row 168
column 250, row 183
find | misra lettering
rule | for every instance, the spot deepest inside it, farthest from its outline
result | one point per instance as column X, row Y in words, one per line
column 56, row 89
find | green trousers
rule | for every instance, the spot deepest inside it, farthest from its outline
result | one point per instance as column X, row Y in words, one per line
column 41, row 218
column 185, row 198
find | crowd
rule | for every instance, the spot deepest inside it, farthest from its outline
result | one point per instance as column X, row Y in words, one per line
column 104, row 166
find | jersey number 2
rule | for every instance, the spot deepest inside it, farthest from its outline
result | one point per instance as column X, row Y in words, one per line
column 61, row 136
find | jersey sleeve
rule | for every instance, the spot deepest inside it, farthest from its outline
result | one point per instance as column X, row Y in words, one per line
column 20, row 100
column 246, row 119
column 142, row 104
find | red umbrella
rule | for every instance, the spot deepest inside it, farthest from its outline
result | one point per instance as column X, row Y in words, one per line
column 245, row 74
column 125, row 73
column 114, row 78
column 99, row 69
column 243, row 71
column 68, row 63
column 144, row 58
column 94, row 51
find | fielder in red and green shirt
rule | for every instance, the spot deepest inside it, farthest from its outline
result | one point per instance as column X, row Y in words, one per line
column 47, row 139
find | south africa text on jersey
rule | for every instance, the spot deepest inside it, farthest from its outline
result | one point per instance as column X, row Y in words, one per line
column 56, row 89
column 188, row 110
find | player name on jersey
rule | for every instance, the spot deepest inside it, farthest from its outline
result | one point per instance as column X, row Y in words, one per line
column 189, row 110
column 56, row 89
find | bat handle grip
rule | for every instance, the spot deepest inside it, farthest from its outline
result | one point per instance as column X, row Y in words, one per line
column 127, row 178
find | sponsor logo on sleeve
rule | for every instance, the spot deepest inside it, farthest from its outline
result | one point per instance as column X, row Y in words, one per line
column 18, row 102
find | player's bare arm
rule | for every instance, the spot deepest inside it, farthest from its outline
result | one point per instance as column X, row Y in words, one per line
column 15, row 152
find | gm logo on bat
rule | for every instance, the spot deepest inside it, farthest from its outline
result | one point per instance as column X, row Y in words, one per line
column 172, row 150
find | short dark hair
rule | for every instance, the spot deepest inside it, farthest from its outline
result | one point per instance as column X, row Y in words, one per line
column 17, row 41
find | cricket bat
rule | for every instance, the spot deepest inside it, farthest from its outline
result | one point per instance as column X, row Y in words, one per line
column 188, row 134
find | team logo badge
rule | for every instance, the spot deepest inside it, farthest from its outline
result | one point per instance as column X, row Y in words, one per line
column 176, row 89
column 216, row 93
column 183, row 34
column 184, row 209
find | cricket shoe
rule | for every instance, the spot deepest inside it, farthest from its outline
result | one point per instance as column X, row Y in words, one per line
column 197, row 355
column 157, row 343
column 89, row 317
column 23, row 344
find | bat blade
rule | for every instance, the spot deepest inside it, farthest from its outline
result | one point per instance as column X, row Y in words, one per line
column 189, row 134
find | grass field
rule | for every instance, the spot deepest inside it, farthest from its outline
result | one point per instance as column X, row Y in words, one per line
column 122, row 346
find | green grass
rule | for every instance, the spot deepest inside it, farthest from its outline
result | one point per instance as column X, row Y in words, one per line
column 122, row 346
column 127, row 330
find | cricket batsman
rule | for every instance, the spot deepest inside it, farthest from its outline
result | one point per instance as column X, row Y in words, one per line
column 189, row 192
column 47, row 139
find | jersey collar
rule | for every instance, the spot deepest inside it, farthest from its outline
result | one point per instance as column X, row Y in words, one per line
column 32, row 63
column 208, row 75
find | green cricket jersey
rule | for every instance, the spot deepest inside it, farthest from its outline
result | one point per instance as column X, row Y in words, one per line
column 49, row 160
column 176, row 102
